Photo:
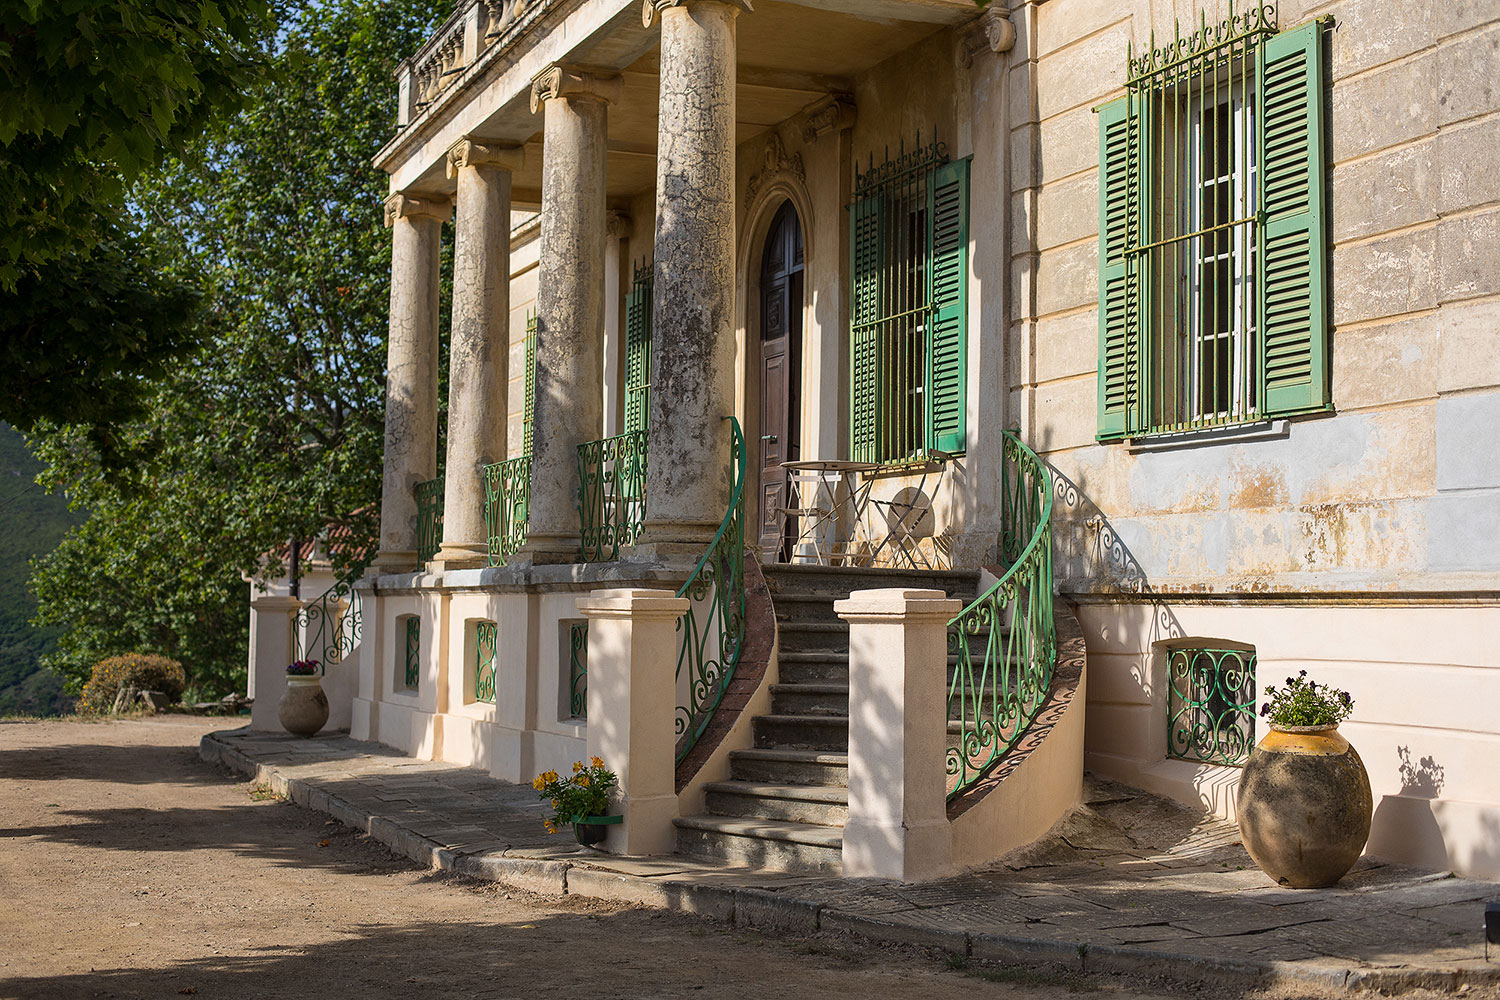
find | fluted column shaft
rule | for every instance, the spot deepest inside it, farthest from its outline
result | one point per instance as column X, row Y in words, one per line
column 411, row 372
column 693, row 349
column 479, row 352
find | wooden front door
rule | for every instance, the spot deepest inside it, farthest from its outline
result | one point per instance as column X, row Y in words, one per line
column 780, row 376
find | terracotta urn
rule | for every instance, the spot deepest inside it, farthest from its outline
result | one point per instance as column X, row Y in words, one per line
column 303, row 708
column 1305, row 806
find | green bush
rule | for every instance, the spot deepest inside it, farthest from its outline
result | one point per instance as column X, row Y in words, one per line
column 141, row 671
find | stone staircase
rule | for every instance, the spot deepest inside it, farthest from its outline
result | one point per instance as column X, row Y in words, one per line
column 788, row 797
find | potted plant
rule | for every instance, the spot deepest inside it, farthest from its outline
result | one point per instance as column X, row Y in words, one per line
column 582, row 800
column 303, row 708
column 1304, row 802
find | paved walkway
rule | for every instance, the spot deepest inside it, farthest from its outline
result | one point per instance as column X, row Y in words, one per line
column 1130, row 882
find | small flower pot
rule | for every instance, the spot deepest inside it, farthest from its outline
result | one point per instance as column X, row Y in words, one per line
column 591, row 830
column 1304, row 806
column 303, row 708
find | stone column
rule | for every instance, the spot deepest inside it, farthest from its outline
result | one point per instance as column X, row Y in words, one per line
column 898, row 727
column 271, row 649
column 693, row 348
column 570, row 303
column 411, row 372
column 632, row 702
column 479, row 352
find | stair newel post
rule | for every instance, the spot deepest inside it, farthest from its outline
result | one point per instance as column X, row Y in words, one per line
column 898, row 714
column 632, row 699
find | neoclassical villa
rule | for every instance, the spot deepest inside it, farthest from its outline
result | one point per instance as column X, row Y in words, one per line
column 866, row 415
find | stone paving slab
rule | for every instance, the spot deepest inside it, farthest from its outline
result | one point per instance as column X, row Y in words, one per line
column 1129, row 882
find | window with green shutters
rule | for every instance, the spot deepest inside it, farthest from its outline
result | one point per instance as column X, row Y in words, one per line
column 638, row 350
column 909, row 265
column 1213, row 255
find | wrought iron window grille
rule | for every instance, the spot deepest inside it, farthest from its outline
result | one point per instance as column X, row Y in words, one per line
column 1210, row 704
column 412, row 664
column 484, row 661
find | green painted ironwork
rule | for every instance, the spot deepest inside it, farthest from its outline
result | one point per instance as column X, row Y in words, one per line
column 711, row 635
column 484, row 661
column 611, row 494
column 330, row 627
column 507, row 506
column 638, row 348
column 1003, row 647
column 528, row 406
column 429, row 518
column 413, row 663
column 1211, row 704
column 578, row 670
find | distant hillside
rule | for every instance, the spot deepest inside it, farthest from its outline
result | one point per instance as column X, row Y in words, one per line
column 31, row 523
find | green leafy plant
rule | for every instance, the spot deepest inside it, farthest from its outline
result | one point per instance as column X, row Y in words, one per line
column 586, row 793
column 1303, row 703
column 138, row 670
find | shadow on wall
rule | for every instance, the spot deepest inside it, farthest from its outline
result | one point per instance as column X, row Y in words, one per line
column 1404, row 825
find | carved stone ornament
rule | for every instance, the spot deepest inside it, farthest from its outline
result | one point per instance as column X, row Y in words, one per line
column 564, row 81
column 468, row 152
column 405, row 206
column 650, row 7
column 775, row 163
column 992, row 30
column 839, row 113
column 616, row 225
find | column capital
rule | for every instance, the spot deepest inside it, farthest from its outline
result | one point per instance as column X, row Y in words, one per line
column 991, row 30
column 649, row 8
column 571, row 83
column 471, row 152
column 405, row 206
column 616, row 225
column 837, row 113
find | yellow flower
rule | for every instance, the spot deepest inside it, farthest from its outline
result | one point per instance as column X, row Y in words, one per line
column 538, row 783
column 550, row 827
column 582, row 780
column 577, row 766
column 556, row 804
column 598, row 761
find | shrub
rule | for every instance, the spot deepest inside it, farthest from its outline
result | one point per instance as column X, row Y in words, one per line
column 584, row 794
column 1303, row 703
column 141, row 671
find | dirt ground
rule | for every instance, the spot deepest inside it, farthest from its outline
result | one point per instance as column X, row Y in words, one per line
column 129, row 868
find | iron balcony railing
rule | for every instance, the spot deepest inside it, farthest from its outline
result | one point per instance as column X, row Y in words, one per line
column 611, row 494
column 429, row 518
column 507, row 506
column 1003, row 647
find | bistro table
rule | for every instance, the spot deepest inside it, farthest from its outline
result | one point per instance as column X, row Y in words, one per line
column 831, row 499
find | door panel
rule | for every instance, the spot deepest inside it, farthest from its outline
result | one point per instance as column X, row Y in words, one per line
column 780, row 338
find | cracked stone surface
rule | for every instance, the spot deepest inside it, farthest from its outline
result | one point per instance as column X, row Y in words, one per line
column 1127, row 869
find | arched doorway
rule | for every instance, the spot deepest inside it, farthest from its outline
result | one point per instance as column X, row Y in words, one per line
column 781, row 306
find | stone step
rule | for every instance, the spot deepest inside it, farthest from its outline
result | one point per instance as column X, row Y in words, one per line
column 811, row 636
column 789, row 767
column 819, row 805
column 814, row 668
column 837, row 582
column 818, row 698
column 806, row 732
column 763, row 843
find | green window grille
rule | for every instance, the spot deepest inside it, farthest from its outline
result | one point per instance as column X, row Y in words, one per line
column 909, row 265
column 528, row 408
column 638, row 350
column 578, row 670
column 1211, row 704
column 429, row 518
column 484, row 661
column 1213, row 258
column 413, row 662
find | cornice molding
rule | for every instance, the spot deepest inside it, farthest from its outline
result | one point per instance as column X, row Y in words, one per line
column 469, row 152
column 573, row 84
column 650, row 8
column 409, row 206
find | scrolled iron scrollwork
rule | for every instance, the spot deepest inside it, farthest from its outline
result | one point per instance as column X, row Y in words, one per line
column 1259, row 19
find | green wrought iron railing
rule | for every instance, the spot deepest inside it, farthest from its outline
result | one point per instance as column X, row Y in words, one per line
column 330, row 627
column 1211, row 705
column 611, row 494
column 429, row 518
column 413, row 665
column 507, row 506
column 578, row 670
column 712, row 632
column 485, row 634
column 1003, row 647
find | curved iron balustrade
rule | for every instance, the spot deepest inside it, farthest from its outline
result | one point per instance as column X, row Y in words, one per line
column 997, row 690
column 507, row 506
column 333, row 624
column 611, row 494
column 712, row 632
column 429, row 518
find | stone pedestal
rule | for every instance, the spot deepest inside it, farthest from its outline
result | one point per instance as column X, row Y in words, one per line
column 411, row 372
column 570, row 304
column 632, row 701
column 898, row 718
column 479, row 354
column 271, row 649
column 693, row 341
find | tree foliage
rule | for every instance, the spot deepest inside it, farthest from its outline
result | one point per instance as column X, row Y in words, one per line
column 273, row 427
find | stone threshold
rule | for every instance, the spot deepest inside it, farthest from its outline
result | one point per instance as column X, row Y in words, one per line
column 777, row 902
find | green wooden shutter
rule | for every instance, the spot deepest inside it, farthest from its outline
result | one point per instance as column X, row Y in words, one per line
column 864, row 347
column 947, row 346
column 1119, row 345
column 1293, row 261
column 528, row 411
column 638, row 352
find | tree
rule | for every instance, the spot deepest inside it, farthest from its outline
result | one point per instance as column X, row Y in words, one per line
column 273, row 427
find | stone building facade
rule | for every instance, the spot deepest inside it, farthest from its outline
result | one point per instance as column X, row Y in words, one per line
column 886, row 231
